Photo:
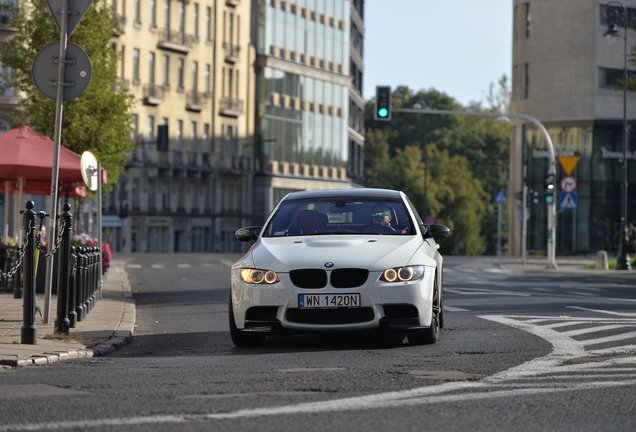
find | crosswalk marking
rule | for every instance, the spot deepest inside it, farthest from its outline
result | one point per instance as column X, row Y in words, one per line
column 590, row 330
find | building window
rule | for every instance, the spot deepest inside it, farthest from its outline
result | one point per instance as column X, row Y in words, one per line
column 195, row 75
column 165, row 198
column 526, row 81
column 135, row 194
column 528, row 19
column 151, row 194
column 195, row 20
column 151, row 68
column 153, row 13
column 166, row 71
column 137, row 11
column 151, row 128
column 179, row 135
column 208, row 24
column 136, row 79
column 166, row 15
column 181, row 17
column 135, row 127
column 205, row 145
column 193, row 136
column 207, row 79
column 612, row 78
column 180, row 75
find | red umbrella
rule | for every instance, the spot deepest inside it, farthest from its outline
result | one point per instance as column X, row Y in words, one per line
column 26, row 154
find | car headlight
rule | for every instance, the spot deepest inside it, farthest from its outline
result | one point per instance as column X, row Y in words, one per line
column 402, row 274
column 258, row 276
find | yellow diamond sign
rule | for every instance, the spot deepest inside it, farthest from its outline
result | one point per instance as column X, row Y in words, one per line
column 569, row 163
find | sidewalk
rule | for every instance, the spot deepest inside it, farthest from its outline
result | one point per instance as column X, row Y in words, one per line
column 108, row 327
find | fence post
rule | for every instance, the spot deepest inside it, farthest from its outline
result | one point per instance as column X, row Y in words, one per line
column 72, row 289
column 29, row 331
column 62, row 323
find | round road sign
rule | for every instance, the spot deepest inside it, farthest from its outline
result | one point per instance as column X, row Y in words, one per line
column 568, row 184
column 78, row 71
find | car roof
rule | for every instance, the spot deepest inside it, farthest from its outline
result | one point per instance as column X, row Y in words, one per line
column 349, row 193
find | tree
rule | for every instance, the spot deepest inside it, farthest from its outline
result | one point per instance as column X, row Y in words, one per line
column 99, row 120
column 480, row 145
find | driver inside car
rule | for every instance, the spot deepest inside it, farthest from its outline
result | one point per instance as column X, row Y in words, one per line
column 381, row 215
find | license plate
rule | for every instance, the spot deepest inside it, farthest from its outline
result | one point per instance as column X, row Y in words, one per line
column 307, row 301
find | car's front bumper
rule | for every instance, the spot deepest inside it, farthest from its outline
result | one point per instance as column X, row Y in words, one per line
column 274, row 308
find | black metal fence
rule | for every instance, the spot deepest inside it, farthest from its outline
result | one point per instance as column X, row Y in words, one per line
column 77, row 275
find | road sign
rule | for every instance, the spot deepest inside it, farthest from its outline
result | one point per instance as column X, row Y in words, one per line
column 78, row 71
column 569, row 163
column 568, row 201
column 568, row 184
column 75, row 11
column 501, row 197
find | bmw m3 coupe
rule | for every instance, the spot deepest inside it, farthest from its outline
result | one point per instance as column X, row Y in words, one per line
column 346, row 260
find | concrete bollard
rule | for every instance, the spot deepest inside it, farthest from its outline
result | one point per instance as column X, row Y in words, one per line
column 601, row 260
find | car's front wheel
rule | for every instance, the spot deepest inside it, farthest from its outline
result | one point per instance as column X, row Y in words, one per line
column 239, row 337
column 429, row 335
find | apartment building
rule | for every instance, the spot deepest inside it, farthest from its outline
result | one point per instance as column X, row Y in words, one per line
column 567, row 75
column 188, row 184
column 308, row 97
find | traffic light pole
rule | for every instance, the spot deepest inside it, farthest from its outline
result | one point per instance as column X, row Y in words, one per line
column 551, row 247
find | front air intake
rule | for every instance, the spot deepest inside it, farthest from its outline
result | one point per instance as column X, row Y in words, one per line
column 309, row 278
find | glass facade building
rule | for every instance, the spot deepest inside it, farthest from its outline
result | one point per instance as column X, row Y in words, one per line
column 594, row 224
column 303, row 97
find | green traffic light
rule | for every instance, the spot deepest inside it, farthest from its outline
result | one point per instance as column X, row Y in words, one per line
column 383, row 112
column 548, row 199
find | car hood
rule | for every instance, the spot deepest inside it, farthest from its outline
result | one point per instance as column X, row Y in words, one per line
column 374, row 253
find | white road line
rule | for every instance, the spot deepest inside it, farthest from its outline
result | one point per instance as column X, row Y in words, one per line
column 581, row 294
column 565, row 324
column 556, row 362
column 591, row 330
column 625, row 314
column 227, row 262
column 475, row 292
column 184, row 265
column 614, row 338
column 133, row 265
column 157, row 266
column 615, row 350
column 455, row 309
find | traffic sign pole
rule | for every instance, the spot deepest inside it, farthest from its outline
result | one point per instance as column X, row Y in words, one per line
column 56, row 159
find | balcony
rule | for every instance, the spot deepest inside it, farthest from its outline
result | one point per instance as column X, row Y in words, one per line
column 196, row 101
column 232, row 2
column 153, row 94
column 9, row 99
column 231, row 52
column 235, row 163
column 6, row 15
column 176, row 41
column 120, row 22
column 120, row 85
column 231, row 107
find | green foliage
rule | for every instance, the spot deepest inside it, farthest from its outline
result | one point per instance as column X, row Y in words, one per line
column 100, row 119
column 462, row 162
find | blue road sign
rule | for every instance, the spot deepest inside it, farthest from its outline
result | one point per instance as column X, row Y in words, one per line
column 501, row 197
column 568, row 200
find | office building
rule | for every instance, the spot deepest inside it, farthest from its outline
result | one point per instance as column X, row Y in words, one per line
column 567, row 75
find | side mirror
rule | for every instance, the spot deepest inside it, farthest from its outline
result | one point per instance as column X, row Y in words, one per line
column 247, row 234
column 436, row 231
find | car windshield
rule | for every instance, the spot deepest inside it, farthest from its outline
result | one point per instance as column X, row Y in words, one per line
column 330, row 216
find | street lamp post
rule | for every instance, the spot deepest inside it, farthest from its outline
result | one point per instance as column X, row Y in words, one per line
column 614, row 15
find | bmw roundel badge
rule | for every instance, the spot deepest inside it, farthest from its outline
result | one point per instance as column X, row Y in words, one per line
column 328, row 264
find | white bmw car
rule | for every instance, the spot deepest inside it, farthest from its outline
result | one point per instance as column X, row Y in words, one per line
column 345, row 260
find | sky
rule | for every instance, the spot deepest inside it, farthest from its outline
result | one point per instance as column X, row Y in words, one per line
column 457, row 47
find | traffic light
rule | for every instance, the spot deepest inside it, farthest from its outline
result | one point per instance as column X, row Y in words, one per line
column 533, row 197
column 549, row 188
column 382, row 107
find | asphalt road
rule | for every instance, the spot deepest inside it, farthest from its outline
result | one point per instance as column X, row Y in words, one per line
column 519, row 352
